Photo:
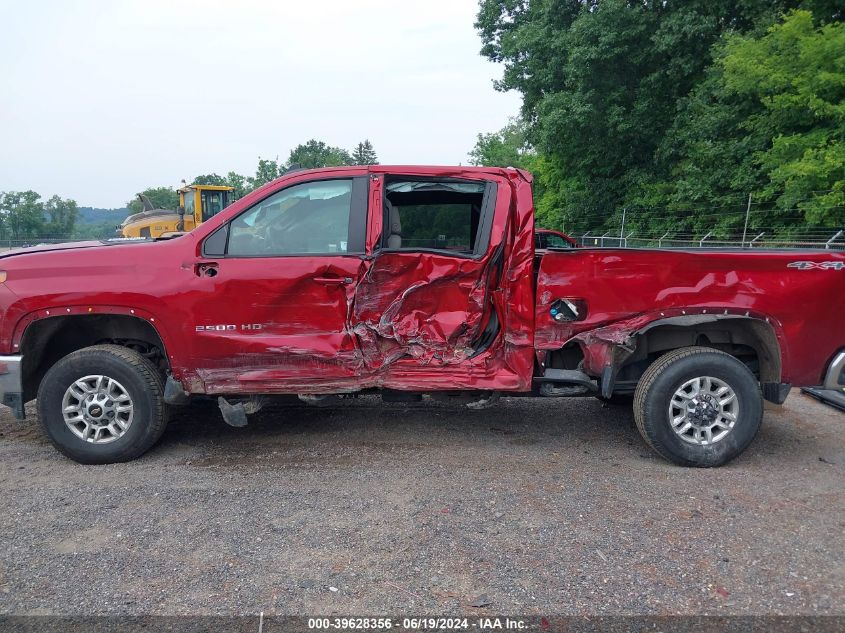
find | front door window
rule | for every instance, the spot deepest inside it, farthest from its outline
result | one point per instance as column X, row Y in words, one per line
column 309, row 218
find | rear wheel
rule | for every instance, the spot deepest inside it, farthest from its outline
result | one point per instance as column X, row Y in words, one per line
column 697, row 406
column 102, row 404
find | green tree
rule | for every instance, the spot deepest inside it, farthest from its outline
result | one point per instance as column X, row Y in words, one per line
column 797, row 73
column 508, row 147
column 94, row 223
column 235, row 180
column 364, row 154
column 238, row 183
column 768, row 119
column 267, row 171
column 61, row 217
column 160, row 197
column 316, row 153
column 22, row 215
column 210, row 179
column 603, row 82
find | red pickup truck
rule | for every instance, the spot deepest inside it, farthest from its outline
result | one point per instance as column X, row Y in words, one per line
column 408, row 280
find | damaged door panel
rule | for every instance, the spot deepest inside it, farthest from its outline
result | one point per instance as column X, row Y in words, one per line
column 430, row 318
column 426, row 292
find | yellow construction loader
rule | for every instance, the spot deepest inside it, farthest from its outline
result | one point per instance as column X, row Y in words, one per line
column 197, row 203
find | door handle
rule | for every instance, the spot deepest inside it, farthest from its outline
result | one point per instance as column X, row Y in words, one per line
column 333, row 281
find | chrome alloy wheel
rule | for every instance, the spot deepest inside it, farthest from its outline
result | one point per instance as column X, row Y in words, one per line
column 98, row 409
column 703, row 410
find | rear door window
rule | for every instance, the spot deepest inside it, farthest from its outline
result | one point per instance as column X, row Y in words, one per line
column 452, row 216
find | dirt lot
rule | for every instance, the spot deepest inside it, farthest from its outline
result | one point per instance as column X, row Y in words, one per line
column 535, row 506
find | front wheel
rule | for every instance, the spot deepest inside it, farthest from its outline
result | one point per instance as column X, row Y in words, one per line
column 102, row 404
column 697, row 406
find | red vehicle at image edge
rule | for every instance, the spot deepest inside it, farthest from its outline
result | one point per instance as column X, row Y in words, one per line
column 547, row 238
column 408, row 280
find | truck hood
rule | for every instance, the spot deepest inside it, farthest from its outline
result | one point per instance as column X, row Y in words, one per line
column 69, row 246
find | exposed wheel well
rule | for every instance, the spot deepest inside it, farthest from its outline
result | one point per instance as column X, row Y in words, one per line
column 752, row 341
column 47, row 340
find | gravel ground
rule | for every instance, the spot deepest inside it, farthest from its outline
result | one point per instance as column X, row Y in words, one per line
column 535, row 506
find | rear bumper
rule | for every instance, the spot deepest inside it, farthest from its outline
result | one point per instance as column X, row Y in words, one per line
column 11, row 389
column 835, row 376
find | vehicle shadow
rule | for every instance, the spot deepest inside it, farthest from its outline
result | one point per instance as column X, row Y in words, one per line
column 568, row 425
column 366, row 419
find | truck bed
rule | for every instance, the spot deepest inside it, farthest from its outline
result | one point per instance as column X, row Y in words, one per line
column 800, row 293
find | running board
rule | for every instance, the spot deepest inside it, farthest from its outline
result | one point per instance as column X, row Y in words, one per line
column 828, row 396
column 565, row 382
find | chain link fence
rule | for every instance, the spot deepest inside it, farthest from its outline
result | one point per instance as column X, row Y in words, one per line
column 834, row 240
column 746, row 223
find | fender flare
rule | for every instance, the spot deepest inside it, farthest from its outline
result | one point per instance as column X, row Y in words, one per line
column 770, row 339
column 90, row 310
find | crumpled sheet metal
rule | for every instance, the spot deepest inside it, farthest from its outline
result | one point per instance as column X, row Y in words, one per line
column 421, row 305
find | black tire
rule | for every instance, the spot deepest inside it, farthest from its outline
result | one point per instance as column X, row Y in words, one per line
column 669, row 373
column 137, row 375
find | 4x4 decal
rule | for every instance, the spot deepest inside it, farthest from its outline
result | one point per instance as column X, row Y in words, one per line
column 817, row 265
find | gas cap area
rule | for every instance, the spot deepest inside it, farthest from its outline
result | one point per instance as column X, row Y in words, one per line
column 568, row 309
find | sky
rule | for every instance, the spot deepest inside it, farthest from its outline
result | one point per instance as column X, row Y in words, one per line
column 102, row 99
